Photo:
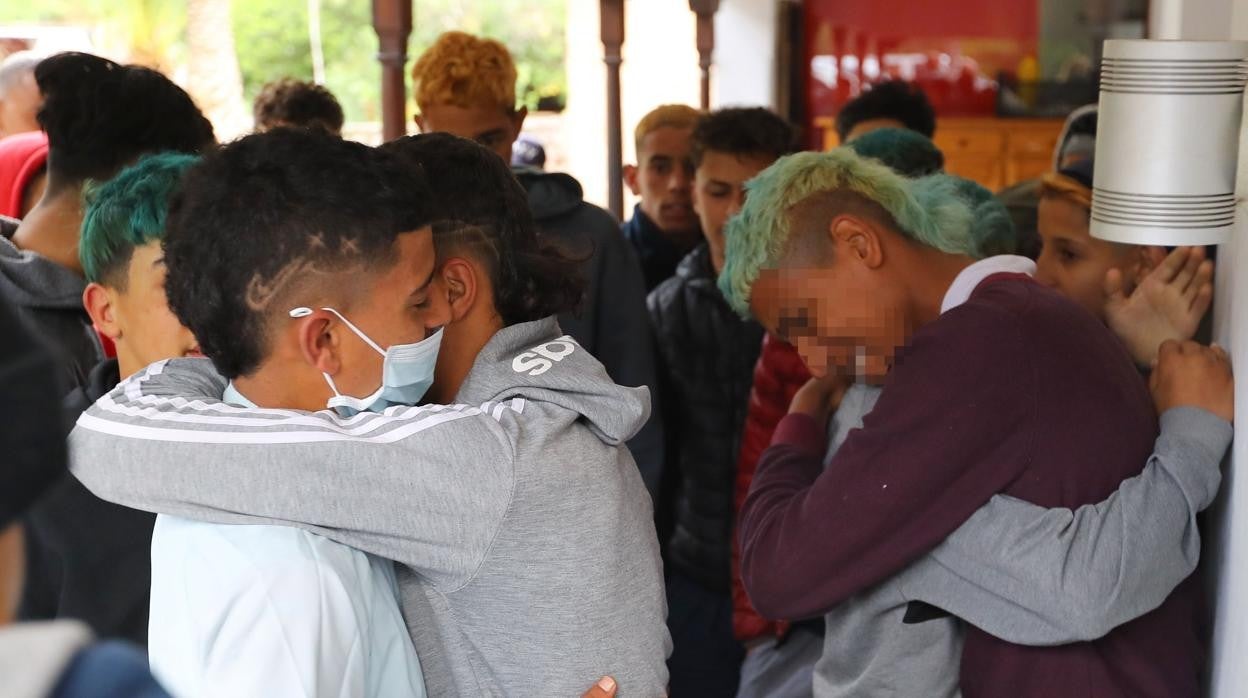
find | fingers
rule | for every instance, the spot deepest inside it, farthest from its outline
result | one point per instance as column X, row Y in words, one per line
column 605, row 688
column 1202, row 278
column 1220, row 353
column 1173, row 264
column 1188, row 271
column 1115, row 289
column 1201, row 302
column 1166, row 353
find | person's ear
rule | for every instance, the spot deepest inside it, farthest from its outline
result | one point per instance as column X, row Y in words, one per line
column 100, row 303
column 1146, row 258
column 517, row 122
column 460, row 283
column 420, row 123
column 319, row 335
column 852, row 236
column 630, row 179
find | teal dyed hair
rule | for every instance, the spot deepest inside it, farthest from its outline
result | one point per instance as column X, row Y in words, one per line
column 931, row 211
column 126, row 212
column 906, row 152
column 991, row 226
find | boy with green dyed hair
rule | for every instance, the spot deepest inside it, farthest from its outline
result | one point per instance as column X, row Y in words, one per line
column 93, row 560
column 995, row 385
column 124, row 266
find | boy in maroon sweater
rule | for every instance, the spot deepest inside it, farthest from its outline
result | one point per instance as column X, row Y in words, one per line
column 995, row 385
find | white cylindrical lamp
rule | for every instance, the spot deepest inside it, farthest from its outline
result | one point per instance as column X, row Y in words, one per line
column 1167, row 141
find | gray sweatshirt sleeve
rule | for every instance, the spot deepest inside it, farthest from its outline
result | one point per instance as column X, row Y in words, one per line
column 425, row 486
column 1038, row 576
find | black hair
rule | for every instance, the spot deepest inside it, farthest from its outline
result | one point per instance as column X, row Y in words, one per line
column 895, row 99
column 289, row 102
column 482, row 207
column 271, row 213
column 101, row 116
column 743, row 131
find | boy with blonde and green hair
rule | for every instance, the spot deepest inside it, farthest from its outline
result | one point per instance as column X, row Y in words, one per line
column 993, row 384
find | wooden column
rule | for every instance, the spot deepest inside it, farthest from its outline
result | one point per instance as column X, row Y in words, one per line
column 392, row 20
column 705, row 10
column 612, row 22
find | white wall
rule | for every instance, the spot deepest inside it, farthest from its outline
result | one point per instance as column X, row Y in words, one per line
column 1226, row 541
column 745, row 55
column 660, row 67
column 1204, row 20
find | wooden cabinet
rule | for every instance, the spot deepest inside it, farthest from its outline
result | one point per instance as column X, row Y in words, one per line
column 994, row 152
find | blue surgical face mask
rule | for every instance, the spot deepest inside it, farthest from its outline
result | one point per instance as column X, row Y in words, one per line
column 406, row 373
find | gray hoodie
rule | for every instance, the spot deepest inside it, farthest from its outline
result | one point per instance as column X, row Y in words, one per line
column 48, row 297
column 1025, row 574
column 532, row 566
column 612, row 323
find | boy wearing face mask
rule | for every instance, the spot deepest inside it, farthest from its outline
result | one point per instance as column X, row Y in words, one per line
column 525, row 536
column 267, row 610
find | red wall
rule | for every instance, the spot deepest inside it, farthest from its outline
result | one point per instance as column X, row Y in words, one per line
column 960, row 48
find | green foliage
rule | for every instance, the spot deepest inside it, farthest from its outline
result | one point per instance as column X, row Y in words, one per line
column 273, row 42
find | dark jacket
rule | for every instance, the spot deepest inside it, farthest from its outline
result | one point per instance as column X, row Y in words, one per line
column 1015, row 392
column 659, row 257
column 707, row 354
column 48, row 298
column 93, row 558
column 612, row 323
column 32, row 444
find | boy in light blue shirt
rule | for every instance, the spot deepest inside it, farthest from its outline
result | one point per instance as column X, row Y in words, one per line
column 241, row 610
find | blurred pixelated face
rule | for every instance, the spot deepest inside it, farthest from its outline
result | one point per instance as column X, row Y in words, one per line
column 490, row 126
column 664, row 180
column 719, row 193
column 143, row 327
column 868, row 125
column 841, row 317
column 1072, row 261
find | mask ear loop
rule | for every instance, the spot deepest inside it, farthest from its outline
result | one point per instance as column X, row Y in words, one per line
column 304, row 311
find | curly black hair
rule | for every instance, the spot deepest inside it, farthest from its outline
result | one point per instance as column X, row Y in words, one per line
column 484, row 210
column 895, row 99
column 273, row 213
column 743, row 131
column 290, row 102
column 101, row 116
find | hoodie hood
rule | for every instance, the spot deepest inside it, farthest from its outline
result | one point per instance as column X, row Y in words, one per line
column 33, row 281
column 537, row 362
column 551, row 194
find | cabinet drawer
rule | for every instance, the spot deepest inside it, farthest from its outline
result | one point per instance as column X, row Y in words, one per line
column 956, row 142
column 988, row 170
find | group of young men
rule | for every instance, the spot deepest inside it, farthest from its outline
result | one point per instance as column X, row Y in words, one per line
column 456, row 432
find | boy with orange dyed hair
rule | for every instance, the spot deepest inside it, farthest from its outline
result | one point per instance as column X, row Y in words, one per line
column 466, row 86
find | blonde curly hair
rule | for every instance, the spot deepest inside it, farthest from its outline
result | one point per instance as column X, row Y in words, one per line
column 465, row 71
